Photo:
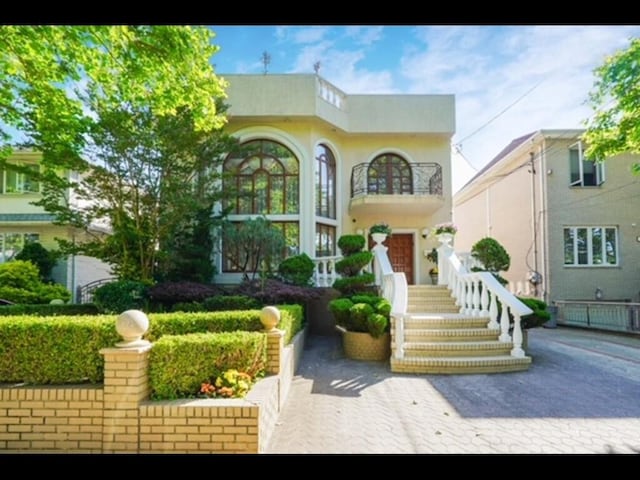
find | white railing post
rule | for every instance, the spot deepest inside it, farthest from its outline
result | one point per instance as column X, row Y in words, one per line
column 504, row 324
column 399, row 334
column 484, row 301
column 476, row 297
column 517, row 350
column 493, row 312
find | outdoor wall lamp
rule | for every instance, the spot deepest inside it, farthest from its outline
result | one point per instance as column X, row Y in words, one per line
column 425, row 232
column 599, row 293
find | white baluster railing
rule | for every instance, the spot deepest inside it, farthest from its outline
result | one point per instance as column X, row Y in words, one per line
column 479, row 293
column 325, row 272
column 394, row 289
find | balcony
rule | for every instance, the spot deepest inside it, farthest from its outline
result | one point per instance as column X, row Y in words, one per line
column 419, row 193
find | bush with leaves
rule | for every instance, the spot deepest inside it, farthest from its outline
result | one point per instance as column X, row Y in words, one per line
column 491, row 254
column 119, row 296
column 297, row 270
column 163, row 296
column 20, row 283
column 42, row 258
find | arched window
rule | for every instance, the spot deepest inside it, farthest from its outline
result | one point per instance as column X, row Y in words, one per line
column 263, row 179
column 389, row 174
column 325, row 182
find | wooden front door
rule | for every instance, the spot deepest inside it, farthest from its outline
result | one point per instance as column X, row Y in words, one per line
column 400, row 253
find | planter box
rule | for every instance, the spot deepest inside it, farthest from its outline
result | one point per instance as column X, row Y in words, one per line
column 362, row 346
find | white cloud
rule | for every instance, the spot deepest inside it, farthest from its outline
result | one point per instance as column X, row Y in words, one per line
column 309, row 35
column 364, row 35
column 490, row 71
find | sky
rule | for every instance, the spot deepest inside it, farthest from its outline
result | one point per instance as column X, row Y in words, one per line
column 508, row 80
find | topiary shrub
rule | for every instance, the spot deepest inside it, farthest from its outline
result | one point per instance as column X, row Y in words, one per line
column 121, row 295
column 358, row 316
column 297, row 270
column 349, row 244
column 340, row 307
column 491, row 254
column 352, row 265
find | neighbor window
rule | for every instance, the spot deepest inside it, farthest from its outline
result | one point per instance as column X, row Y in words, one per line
column 584, row 172
column 12, row 243
column 592, row 246
column 13, row 181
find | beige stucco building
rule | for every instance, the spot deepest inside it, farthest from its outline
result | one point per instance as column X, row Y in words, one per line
column 21, row 221
column 571, row 226
column 326, row 163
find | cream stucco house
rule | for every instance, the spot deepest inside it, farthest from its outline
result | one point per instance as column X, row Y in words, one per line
column 336, row 163
column 20, row 221
column 571, row 225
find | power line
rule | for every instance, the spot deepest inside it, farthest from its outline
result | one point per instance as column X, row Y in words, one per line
column 500, row 113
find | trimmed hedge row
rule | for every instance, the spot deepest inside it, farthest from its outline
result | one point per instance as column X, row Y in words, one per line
column 182, row 323
column 54, row 350
column 179, row 364
column 49, row 310
column 66, row 349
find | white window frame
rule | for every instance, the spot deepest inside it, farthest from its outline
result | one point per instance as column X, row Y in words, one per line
column 21, row 180
column 590, row 229
column 32, row 236
column 599, row 168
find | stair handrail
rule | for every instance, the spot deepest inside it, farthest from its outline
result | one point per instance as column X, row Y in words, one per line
column 393, row 286
column 480, row 294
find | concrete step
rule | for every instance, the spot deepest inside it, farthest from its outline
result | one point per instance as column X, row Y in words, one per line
column 444, row 321
column 431, row 308
column 460, row 365
column 457, row 349
column 450, row 335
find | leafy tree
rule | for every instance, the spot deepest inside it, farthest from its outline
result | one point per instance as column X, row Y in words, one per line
column 47, row 72
column 254, row 246
column 138, row 112
column 615, row 98
column 491, row 254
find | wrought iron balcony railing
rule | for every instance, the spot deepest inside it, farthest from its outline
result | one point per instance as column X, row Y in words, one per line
column 423, row 179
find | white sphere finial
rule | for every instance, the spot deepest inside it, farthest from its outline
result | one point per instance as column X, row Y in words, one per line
column 132, row 325
column 270, row 316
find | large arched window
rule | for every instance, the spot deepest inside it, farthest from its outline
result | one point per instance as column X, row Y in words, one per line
column 325, row 201
column 389, row 174
column 262, row 178
column 325, row 182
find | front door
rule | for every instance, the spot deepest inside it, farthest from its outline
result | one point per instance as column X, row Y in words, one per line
column 400, row 251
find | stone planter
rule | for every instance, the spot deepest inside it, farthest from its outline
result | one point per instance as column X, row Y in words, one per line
column 362, row 346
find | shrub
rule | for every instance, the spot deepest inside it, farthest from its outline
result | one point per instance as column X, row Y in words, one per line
column 54, row 350
column 297, row 270
column 491, row 254
column 231, row 384
column 540, row 314
column 230, row 302
column 377, row 324
column 42, row 258
column 360, row 283
column 48, row 310
column 202, row 356
column 354, row 263
column 20, row 283
column 166, row 294
column 188, row 307
column 271, row 291
column 358, row 316
column 340, row 307
column 349, row 244
column 118, row 296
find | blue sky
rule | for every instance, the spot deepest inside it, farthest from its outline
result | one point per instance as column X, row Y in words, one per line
column 507, row 80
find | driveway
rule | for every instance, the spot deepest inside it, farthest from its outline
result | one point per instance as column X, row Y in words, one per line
column 581, row 395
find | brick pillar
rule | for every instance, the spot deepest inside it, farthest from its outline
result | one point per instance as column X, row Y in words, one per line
column 126, row 384
column 275, row 345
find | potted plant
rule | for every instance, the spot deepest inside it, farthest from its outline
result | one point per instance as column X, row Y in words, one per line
column 380, row 231
column 360, row 314
column 445, row 232
column 432, row 256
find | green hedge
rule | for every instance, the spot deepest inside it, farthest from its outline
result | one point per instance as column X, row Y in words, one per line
column 48, row 310
column 179, row 364
column 54, row 350
column 66, row 349
column 182, row 323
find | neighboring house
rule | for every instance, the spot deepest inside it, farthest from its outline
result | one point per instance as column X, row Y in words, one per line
column 323, row 163
column 570, row 225
column 20, row 221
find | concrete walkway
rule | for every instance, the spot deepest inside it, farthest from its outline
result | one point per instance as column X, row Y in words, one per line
column 581, row 395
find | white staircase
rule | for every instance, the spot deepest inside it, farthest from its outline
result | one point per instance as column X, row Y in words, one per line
column 436, row 338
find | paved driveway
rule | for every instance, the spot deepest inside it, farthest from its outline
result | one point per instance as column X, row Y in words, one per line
column 581, row 395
